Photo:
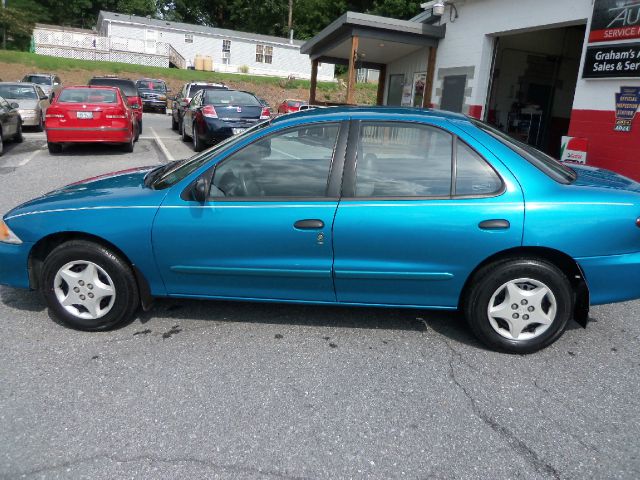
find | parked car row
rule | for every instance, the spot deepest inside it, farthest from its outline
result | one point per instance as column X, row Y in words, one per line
column 207, row 113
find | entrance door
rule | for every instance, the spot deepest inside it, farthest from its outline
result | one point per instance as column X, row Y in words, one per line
column 453, row 88
column 266, row 230
column 394, row 94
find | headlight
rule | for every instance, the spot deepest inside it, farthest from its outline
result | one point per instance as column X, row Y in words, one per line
column 6, row 235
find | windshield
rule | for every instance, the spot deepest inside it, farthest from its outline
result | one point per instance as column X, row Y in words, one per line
column 230, row 97
column 87, row 95
column 172, row 173
column 548, row 165
column 127, row 86
column 151, row 85
column 18, row 92
column 39, row 79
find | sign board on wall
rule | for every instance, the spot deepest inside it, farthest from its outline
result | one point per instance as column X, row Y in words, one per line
column 627, row 102
column 612, row 61
column 615, row 20
column 574, row 150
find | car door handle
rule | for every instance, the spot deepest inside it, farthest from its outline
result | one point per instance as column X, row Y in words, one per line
column 309, row 224
column 494, row 224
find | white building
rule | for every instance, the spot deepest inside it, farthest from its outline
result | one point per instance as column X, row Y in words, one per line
column 539, row 70
column 228, row 50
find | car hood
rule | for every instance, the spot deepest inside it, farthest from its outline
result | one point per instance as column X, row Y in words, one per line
column 601, row 178
column 123, row 189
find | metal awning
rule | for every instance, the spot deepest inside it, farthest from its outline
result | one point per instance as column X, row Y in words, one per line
column 381, row 39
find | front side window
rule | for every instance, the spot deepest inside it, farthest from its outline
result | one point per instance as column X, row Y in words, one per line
column 403, row 160
column 293, row 163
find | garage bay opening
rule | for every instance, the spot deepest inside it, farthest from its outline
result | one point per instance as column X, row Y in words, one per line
column 533, row 83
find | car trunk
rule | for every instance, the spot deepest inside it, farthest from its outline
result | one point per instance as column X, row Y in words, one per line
column 82, row 115
column 238, row 113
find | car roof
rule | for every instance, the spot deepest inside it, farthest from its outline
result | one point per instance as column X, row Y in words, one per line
column 39, row 74
column 384, row 113
column 150, row 80
column 19, row 84
column 112, row 78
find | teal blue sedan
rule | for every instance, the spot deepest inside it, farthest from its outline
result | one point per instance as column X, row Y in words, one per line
column 341, row 206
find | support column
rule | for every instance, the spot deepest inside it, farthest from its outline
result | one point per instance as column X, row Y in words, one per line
column 314, row 82
column 382, row 80
column 351, row 84
column 428, row 88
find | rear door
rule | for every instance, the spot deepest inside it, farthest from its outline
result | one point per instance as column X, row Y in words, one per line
column 421, row 209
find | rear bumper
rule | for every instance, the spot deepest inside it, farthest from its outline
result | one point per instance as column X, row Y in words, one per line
column 30, row 121
column 89, row 135
column 220, row 129
column 14, row 264
column 614, row 278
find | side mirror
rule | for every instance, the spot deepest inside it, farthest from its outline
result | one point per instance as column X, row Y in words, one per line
column 14, row 105
column 200, row 190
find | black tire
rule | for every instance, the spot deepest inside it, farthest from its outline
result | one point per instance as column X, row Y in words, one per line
column 140, row 127
column 18, row 138
column 163, row 110
column 128, row 147
column 1, row 143
column 137, row 137
column 40, row 126
column 127, row 298
column 491, row 278
column 54, row 147
column 197, row 143
column 183, row 133
column 174, row 124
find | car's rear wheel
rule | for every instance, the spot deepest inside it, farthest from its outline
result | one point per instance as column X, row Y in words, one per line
column 185, row 137
column 40, row 126
column 89, row 287
column 520, row 305
column 140, row 126
column 18, row 138
column 197, row 143
column 54, row 147
column 137, row 137
column 128, row 147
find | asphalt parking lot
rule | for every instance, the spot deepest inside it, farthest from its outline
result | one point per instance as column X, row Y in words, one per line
column 196, row 389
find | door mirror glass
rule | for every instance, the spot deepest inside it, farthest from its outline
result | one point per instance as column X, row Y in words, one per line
column 201, row 190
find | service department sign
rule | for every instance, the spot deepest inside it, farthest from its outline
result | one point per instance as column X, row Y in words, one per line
column 615, row 20
column 616, row 61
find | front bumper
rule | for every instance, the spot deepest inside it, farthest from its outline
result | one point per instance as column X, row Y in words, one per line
column 154, row 103
column 14, row 264
column 612, row 278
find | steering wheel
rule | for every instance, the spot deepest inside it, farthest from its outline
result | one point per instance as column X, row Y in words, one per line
column 249, row 184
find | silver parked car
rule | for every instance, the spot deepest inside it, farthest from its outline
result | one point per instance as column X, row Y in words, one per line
column 31, row 99
column 48, row 82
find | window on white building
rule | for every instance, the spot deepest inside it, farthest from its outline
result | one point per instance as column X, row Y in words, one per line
column 264, row 54
column 188, row 38
column 226, row 52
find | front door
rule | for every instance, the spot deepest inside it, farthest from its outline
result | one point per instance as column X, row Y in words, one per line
column 415, row 217
column 453, row 87
column 394, row 94
column 266, row 230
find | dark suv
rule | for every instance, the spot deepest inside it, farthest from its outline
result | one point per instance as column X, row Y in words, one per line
column 128, row 89
column 183, row 97
column 153, row 93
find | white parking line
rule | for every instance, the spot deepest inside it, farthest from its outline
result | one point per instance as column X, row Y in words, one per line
column 22, row 163
column 163, row 148
column 284, row 153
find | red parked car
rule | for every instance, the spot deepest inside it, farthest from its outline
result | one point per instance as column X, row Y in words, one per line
column 90, row 114
column 290, row 106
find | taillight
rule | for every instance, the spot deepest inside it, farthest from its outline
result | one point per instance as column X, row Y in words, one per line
column 116, row 113
column 265, row 114
column 134, row 102
column 54, row 115
column 638, row 222
column 209, row 112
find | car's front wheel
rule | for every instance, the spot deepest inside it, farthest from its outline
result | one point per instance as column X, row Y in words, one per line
column 519, row 305
column 89, row 287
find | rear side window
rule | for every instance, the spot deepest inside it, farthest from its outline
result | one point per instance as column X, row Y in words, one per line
column 88, row 95
column 127, row 86
column 474, row 176
column 403, row 160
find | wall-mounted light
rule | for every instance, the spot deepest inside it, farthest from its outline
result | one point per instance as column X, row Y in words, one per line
column 438, row 9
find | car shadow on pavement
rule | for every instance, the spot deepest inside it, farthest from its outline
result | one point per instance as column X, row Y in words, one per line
column 19, row 299
column 448, row 323
column 90, row 150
